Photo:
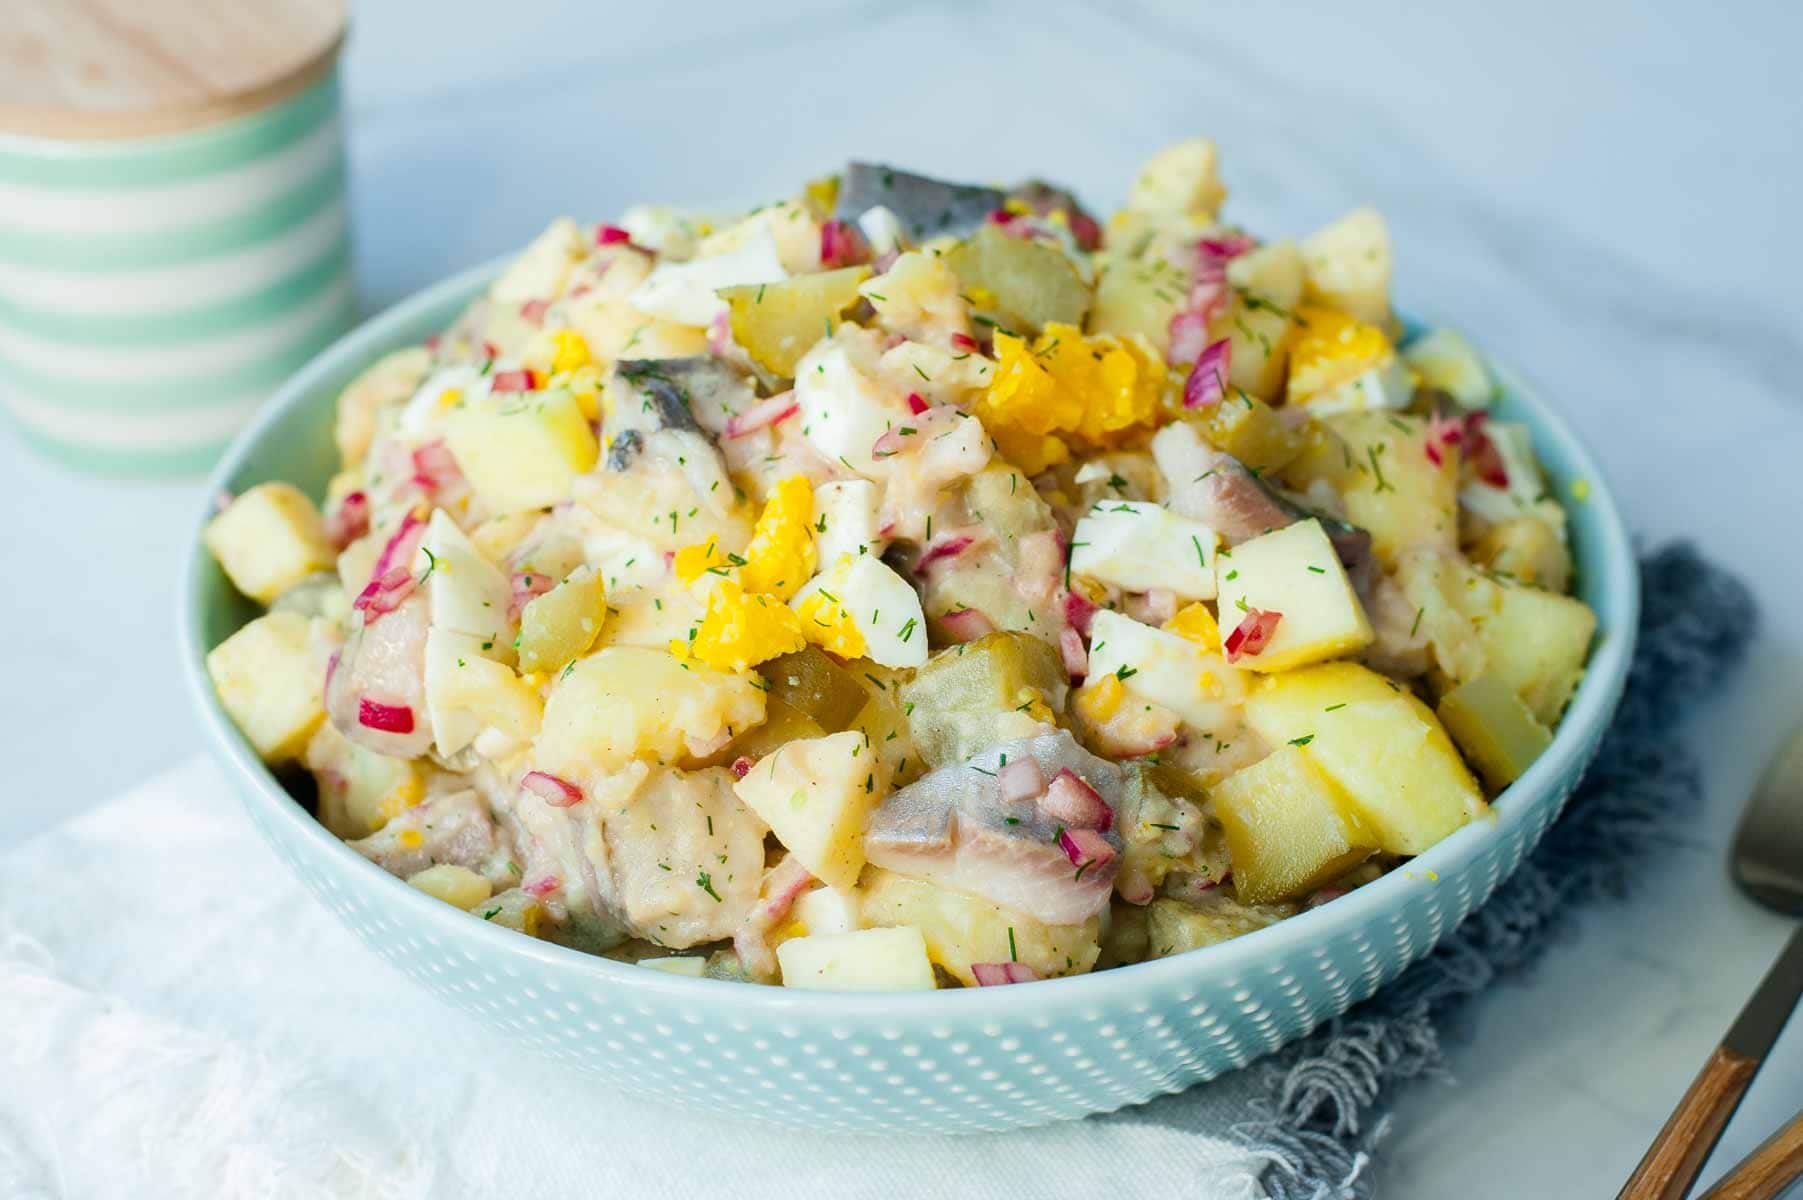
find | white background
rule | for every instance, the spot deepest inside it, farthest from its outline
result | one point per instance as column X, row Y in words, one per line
column 1603, row 194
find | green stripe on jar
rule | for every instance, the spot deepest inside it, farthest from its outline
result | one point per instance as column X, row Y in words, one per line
column 232, row 315
column 186, row 392
column 102, row 253
column 41, row 162
column 141, row 461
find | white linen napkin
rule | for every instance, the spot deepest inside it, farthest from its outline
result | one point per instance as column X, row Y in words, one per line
column 179, row 1018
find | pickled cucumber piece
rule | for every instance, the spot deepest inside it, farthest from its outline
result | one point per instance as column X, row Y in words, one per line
column 777, row 323
column 1021, row 285
column 1174, row 926
column 1250, row 430
column 559, row 626
column 817, row 687
column 970, row 697
column 1494, row 729
column 782, row 724
column 1289, row 827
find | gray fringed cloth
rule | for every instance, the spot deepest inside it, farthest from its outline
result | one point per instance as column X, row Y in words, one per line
column 1318, row 1108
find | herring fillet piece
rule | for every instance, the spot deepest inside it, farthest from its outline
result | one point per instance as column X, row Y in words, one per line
column 952, row 827
column 925, row 207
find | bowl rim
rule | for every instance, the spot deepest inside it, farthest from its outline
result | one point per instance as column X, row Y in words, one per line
column 1592, row 706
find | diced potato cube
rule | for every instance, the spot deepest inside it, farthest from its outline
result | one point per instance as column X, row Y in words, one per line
column 623, row 702
column 690, row 966
column 1494, row 728
column 359, row 790
column 1289, row 827
column 1181, row 178
column 270, row 676
column 816, row 795
column 1267, row 284
column 1393, row 489
column 1139, row 546
column 1445, row 361
column 457, row 886
column 1293, row 571
column 513, row 909
column 269, row 539
column 387, row 383
column 828, row 910
column 560, row 626
column 1165, row 668
column 961, row 929
column 1527, row 550
column 918, row 298
column 1177, row 926
column 542, row 267
column 1382, row 746
column 778, row 322
column 869, row 960
column 522, row 450
column 1535, row 641
column 1346, row 265
column 1138, row 295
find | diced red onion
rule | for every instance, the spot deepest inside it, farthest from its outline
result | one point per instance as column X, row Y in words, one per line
column 1189, row 335
column 1072, row 801
column 741, row 766
column 1223, row 250
column 388, row 718
column 1086, row 230
column 841, row 245
column 944, row 548
column 350, row 520
column 385, row 593
column 559, row 793
column 916, row 405
column 1078, row 609
column 965, row 625
column 611, row 235
column 1158, row 605
column 719, row 334
column 964, row 342
column 527, row 586
column 1074, row 653
column 332, row 668
column 541, row 887
column 1085, row 847
column 1443, row 432
column 1020, row 780
column 1252, row 634
column 513, row 381
column 1002, row 216
column 1485, row 459
column 490, row 351
column 763, row 415
column 993, row 974
column 435, row 469
column 534, row 311
column 1207, row 383
column 403, row 547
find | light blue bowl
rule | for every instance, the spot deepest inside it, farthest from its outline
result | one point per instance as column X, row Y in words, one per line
column 978, row 1059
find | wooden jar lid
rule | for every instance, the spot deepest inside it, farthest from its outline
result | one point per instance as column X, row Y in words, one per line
column 97, row 69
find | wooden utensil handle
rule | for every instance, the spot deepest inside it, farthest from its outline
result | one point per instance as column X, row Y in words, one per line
column 1765, row 1173
column 1676, row 1155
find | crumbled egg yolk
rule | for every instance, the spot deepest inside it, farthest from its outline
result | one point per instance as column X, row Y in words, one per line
column 781, row 556
column 1031, row 701
column 740, row 630
column 1098, row 701
column 1098, row 389
column 692, row 562
column 1332, row 348
column 584, row 383
column 411, row 839
column 1195, row 623
column 829, row 625
column 569, row 352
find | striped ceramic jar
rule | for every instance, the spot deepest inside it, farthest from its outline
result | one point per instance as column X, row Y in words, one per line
column 154, row 291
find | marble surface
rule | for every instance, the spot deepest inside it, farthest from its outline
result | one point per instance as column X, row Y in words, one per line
column 1602, row 194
